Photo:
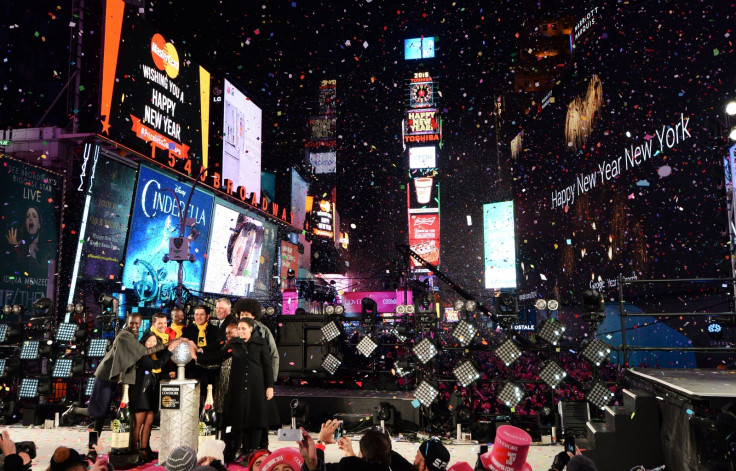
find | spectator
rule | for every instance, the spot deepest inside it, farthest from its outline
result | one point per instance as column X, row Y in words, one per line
column 211, row 453
column 257, row 458
column 581, row 463
column 509, row 450
column 14, row 461
column 181, row 458
column 432, row 456
column 283, row 459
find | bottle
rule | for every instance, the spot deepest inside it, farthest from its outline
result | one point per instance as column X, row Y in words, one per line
column 121, row 426
column 207, row 419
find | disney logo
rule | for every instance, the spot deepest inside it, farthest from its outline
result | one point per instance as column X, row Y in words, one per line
column 178, row 189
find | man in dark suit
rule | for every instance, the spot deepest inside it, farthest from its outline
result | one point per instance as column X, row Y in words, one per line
column 222, row 311
column 204, row 335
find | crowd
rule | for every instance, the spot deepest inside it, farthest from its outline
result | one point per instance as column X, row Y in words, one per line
column 508, row 453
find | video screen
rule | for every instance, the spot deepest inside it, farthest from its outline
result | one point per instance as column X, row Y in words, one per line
column 499, row 245
column 419, row 48
column 422, row 157
column 159, row 202
column 241, row 140
column 241, row 253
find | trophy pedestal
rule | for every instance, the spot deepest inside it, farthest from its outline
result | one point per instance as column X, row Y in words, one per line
column 179, row 409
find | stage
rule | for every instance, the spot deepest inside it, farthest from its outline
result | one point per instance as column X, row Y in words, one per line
column 540, row 457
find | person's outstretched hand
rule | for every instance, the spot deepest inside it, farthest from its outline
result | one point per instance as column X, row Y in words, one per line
column 12, row 236
column 560, row 461
column 327, row 432
column 346, row 446
column 308, row 450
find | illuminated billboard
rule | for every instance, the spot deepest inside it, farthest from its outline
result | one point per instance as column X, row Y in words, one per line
column 422, row 157
column 151, row 99
column 423, row 191
column 419, row 48
column 421, row 91
column 499, row 245
column 323, row 162
column 241, row 140
column 238, row 248
column 159, row 202
column 31, row 203
column 322, row 216
column 422, row 125
column 424, row 236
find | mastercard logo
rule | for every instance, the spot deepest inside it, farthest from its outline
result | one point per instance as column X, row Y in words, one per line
column 165, row 56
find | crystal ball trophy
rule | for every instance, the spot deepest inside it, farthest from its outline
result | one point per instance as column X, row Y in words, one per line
column 179, row 406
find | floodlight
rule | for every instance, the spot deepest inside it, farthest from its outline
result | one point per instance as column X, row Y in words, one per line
column 600, row 395
column 471, row 305
column 331, row 363
column 329, row 310
column 553, row 305
column 507, row 310
column 366, row 346
column 508, row 352
column 410, row 309
column 97, row 348
column 731, row 108
column 510, row 394
column 331, row 331
column 89, row 386
column 458, row 305
column 66, row 332
column 425, row 350
column 9, row 367
column 466, row 373
column 403, row 368
column 339, row 310
column 426, row 393
column 368, row 310
column 68, row 367
column 69, row 308
column 464, row 332
column 552, row 374
column 79, row 308
column 270, row 311
column 596, row 351
column 551, row 331
column 401, row 309
column 32, row 387
column 541, row 304
column 9, row 333
column 7, row 309
column 593, row 302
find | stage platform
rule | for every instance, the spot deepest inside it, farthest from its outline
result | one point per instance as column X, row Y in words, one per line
column 324, row 403
column 699, row 384
column 540, row 457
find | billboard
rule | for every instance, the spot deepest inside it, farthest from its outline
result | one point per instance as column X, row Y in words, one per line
column 424, row 236
column 322, row 216
column 151, row 99
column 31, row 203
column 499, row 245
column 385, row 300
column 422, row 157
column 423, row 191
column 241, row 140
column 299, row 189
column 159, row 203
column 241, row 253
column 323, row 162
column 109, row 187
column 419, row 48
column 289, row 261
column 421, row 91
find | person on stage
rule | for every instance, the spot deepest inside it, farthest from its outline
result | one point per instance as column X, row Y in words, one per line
column 222, row 311
column 119, row 366
column 204, row 336
column 144, row 400
column 160, row 329
column 178, row 321
column 250, row 386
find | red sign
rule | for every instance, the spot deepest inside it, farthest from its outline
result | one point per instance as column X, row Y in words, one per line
column 289, row 260
column 424, row 237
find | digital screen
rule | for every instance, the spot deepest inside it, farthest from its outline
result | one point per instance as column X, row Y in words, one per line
column 423, row 191
column 299, row 190
column 289, row 261
column 153, row 98
column 424, row 237
column 499, row 245
column 422, row 121
column 156, row 218
column 31, row 202
column 418, row 48
column 62, row 368
column 322, row 217
column 451, row 315
column 28, row 387
column 323, row 162
column 241, row 245
column 241, row 140
column 386, row 301
column 422, row 157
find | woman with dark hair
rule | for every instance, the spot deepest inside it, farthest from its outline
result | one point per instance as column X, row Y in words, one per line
column 143, row 399
column 29, row 238
column 242, row 248
column 249, row 387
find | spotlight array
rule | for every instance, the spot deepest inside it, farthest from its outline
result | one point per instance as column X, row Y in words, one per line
column 552, row 374
column 600, row 396
column 331, row 363
column 330, row 331
column 510, row 394
column 366, row 346
column 464, row 332
column 465, row 373
column 551, row 331
column 596, row 352
column 426, row 393
column 508, row 352
column 425, row 350
column 97, row 348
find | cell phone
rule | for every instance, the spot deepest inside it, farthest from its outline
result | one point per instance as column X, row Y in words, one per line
column 569, row 444
column 92, row 440
column 289, row 435
column 339, row 432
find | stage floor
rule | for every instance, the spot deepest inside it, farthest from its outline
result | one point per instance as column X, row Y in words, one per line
column 540, row 457
column 696, row 383
column 342, row 392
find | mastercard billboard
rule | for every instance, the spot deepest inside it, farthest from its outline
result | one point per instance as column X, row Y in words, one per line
column 151, row 101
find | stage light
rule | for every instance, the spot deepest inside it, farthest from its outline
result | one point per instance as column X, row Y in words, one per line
column 331, row 363
column 553, row 305
column 465, row 373
column 68, row 367
column 552, row 374
column 329, row 310
column 471, row 305
column 599, row 395
column 510, row 395
column 66, row 332
column 731, row 108
column 69, row 308
column 9, row 367
column 426, row 393
column 270, row 311
column 106, row 300
column 43, row 304
column 596, row 351
column 425, row 310
column 366, row 346
column 9, row 333
column 299, row 412
column 339, row 310
column 32, row 387
column 551, row 331
column 541, row 304
column 424, row 350
column 88, row 387
column 464, row 332
column 79, row 308
column 97, row 348
column 732, row 134
column 368, row 310
column 593, row 302
column 401, row 309
column 458, row 305
column 403, row 367
column 16, row 309
column 7, row 309
column 331, row 331
column 508, row 352
column 410, row 309
column 507, row 311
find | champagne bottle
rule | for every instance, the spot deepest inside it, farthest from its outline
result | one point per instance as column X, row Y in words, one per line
column 121, row 426
column 207, row 419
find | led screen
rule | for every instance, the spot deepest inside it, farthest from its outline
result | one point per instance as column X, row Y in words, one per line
column 424, row 237
column 241, row 136
column 499, row 245
column 31, row 202
column 419, row 48
column 323, row 162
column 156, row 216
column 241, row 253
column 422, row 157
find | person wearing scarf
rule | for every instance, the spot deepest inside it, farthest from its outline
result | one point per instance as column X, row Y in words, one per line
column 204, row 335
column 178, row 321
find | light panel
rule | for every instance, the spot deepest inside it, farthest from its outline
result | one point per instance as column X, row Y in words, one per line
column 466, row 373
column 508, row 352
column 366, row 346
column 426, row 393
column 425, row 350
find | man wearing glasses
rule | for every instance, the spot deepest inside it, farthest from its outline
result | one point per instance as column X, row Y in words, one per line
column 204, row 335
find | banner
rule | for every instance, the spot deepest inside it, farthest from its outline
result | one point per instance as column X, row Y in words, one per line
column 31, row 203
column 159, row 203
